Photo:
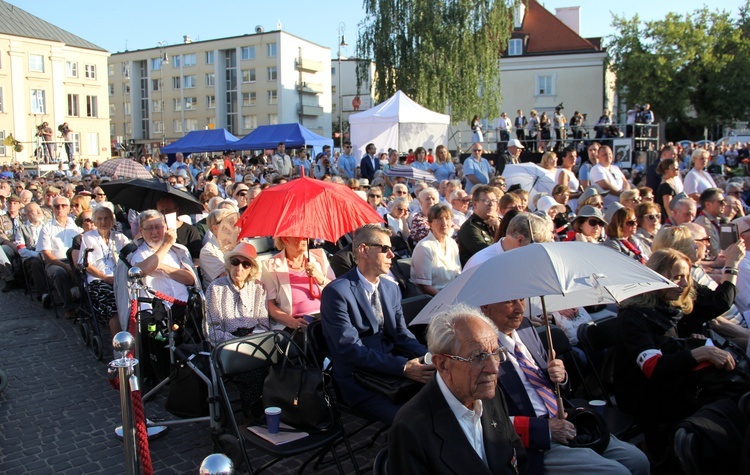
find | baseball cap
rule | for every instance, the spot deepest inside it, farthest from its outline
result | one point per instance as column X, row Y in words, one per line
column 515, row 143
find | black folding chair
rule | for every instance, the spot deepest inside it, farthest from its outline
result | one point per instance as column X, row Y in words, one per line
column 254, row 352
column 380, row 466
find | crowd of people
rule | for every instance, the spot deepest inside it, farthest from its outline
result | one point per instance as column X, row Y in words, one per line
column 488, row 381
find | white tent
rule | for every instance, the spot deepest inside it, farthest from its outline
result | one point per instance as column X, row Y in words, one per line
column 398, row 123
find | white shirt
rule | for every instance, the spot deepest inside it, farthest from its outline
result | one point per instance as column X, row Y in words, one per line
column 159, row 281
column 697, row 181
column 611, row 175
column 485, row 255
column 57, row 238
column 742, row 300
column 430, row 265
column 104, row 256
column 509, row 342
column 469, row 420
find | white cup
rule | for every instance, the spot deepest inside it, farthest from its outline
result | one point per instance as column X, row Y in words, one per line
column 597, row 405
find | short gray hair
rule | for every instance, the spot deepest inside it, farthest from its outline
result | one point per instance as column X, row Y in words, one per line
column 147, row 215
column 441, row 333
column 528, row 225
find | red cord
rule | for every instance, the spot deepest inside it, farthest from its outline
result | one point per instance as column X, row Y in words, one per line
column 141, row 433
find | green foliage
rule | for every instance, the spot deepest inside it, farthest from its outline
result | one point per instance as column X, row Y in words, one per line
column 444, row 54
column 691, row 68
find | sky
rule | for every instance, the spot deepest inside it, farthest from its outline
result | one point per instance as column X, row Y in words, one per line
column 138, row 24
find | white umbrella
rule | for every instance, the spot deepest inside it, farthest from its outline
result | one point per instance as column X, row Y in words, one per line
column 529, row 177
column 566, row 274
column 412, row 173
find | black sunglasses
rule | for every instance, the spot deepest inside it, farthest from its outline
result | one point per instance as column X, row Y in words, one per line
column 595, row 222
column 384, row 248
column 236, row 262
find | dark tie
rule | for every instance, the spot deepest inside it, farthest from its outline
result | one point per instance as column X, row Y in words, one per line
column 377, row 308
column 536, row 378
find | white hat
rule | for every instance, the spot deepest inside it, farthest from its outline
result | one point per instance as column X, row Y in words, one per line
column 546, row 203
column 515, row 143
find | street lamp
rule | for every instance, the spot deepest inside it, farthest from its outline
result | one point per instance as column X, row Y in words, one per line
column 342, row 43
column 163, row 59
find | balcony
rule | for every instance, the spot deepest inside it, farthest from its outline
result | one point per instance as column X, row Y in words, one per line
column 313, row 111
column 308, row 66
column 310, row 88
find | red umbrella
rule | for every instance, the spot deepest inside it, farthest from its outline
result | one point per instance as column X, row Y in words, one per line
column 306, row 208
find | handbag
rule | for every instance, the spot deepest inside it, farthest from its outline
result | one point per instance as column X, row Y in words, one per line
column 398, row 389
column 298, row 387
column 591, row 430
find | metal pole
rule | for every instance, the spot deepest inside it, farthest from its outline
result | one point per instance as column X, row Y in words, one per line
column 122, row 343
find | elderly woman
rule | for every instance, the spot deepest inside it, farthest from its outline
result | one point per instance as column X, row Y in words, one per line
column 99, row 195
column 294, row 279
column 591, row 196
column 435, row 261
column 105, row 245
column 420, row 226
column 698, row 179
column 648, row 216
column 236, row 301
column 443, row 167
column 219, row 222
column 397, row 218
column 588, row 225
column 621, row 235
column 657, row 372
column 375, row 200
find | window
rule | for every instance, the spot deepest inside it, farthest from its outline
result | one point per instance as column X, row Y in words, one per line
column 2, row 101
column 210, row 79
column 156, row 84
column 158, row 126
column 515, row 47
column 545, row 86
column 273, row 97
column 271, row 50
column 210, row 102
column 112, row 110
column 272, row 73
column 3, row 152
column 73, row 109
column 190, row 82
column 177, row 105
column 36, row 63
column 176, row 61
column 71, row 69
column 127, row 89
column 158, row 106
column 126, row 108
column 92, row 109
column 176, row 82
column 189, row 60
column 249, row 122
column 90, row 71
column 248, row 52
column 248, row 75
column 111, row 70
column 111, row 89
column 155, row 64
column 93, row 139
column 125, row 70
column 38, row 104
column 191, row 103
column 177, row 125
column 273, row 119
column 191, row 124
column 249, row 98
column 209, row 57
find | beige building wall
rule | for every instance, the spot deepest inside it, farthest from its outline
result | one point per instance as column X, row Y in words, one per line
column 68, row 84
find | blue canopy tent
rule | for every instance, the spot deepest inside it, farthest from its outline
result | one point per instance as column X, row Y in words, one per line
column 203, row 141
column 293, row 135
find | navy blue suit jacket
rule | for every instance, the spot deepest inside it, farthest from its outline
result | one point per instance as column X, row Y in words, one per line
column 366, row 169
column 349, row 321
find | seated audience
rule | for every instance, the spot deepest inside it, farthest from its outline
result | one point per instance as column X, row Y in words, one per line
column 479, row 229
column 435, row 260
column 621, row 235
column 221, row 222
column 419, row 225
column 522, row 229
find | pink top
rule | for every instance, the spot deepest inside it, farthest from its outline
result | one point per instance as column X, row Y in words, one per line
column 303, row 302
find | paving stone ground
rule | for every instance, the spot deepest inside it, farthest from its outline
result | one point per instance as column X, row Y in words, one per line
column 58, row 413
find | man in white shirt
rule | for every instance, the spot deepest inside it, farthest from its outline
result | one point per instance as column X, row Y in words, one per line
column 504, row 126
column 458, row 423
column 523, row 229
column 743, row 279
column 55, row 238
column 607, row 176
column 282, row 163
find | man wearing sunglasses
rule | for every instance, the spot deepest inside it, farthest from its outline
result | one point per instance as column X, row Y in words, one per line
column 527, row 379
column 347, row 163
column 364, row 327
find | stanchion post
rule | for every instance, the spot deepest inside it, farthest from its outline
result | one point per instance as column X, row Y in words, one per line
column 122, row 343
column 217, row 464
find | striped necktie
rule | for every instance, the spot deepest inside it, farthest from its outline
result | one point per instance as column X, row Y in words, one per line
column 536, row 378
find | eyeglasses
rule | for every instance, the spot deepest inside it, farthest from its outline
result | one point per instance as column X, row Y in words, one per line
column 33, row 189
column 637, row 199
column 88, row 220
column 721, row 202
column 705, row 240
column 648, row 198
column 501, row 184
column 475, row 150
column 347, row 146
column 654, row 217
column 499, row 356
column 631, row 222
column 236, row 262
column 100, row 194
column 384, row 248
column 399, row 193
column 404, row 210
column 600, row 204
column 490, row 202
column 60, row 206
column 156, row 227
column 594, row 223
column 242, row 193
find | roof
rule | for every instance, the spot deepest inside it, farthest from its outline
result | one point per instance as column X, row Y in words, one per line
column 17, row 22
column 548, row 34
column 399, row 108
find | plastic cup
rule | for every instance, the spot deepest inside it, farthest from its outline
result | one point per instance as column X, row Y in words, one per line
column 273, row 419
column 597, row 405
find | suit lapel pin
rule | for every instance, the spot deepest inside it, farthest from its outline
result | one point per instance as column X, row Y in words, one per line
column 493, row 424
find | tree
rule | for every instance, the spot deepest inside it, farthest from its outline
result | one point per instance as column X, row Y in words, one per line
column 444, row 54
column 691, row 68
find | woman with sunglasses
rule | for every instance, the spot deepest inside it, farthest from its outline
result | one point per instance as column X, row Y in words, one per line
column 592, row 196
column 668, row 169
column 294, row 279
column 588, row 226
column 621, row 234
column 648, row 216
column 397, row 219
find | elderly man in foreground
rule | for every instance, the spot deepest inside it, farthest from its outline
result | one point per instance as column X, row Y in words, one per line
column 458, row 423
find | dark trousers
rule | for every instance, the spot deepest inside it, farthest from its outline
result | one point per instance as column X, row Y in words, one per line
column 35, row 268
column 63, row 282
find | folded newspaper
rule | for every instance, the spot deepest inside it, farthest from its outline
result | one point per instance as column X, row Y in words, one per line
column 282, row 437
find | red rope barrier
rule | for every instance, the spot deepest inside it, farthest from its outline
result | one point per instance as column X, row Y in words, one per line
column 141, row 433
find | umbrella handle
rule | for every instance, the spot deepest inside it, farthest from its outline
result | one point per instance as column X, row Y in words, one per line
column 314, row 289
column 550, row 357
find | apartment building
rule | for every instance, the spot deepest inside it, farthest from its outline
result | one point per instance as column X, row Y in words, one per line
column 157, row 95
column 49, row 75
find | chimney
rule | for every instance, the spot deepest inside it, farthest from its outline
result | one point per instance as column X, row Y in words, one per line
column 186, row 39
column 571, row 16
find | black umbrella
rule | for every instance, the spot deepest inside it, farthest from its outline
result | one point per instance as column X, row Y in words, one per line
column 139, row 195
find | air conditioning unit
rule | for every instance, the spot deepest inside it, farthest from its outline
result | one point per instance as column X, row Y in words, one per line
column 259, row 29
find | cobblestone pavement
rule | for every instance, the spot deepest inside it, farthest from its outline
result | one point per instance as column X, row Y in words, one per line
column 58, row 413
